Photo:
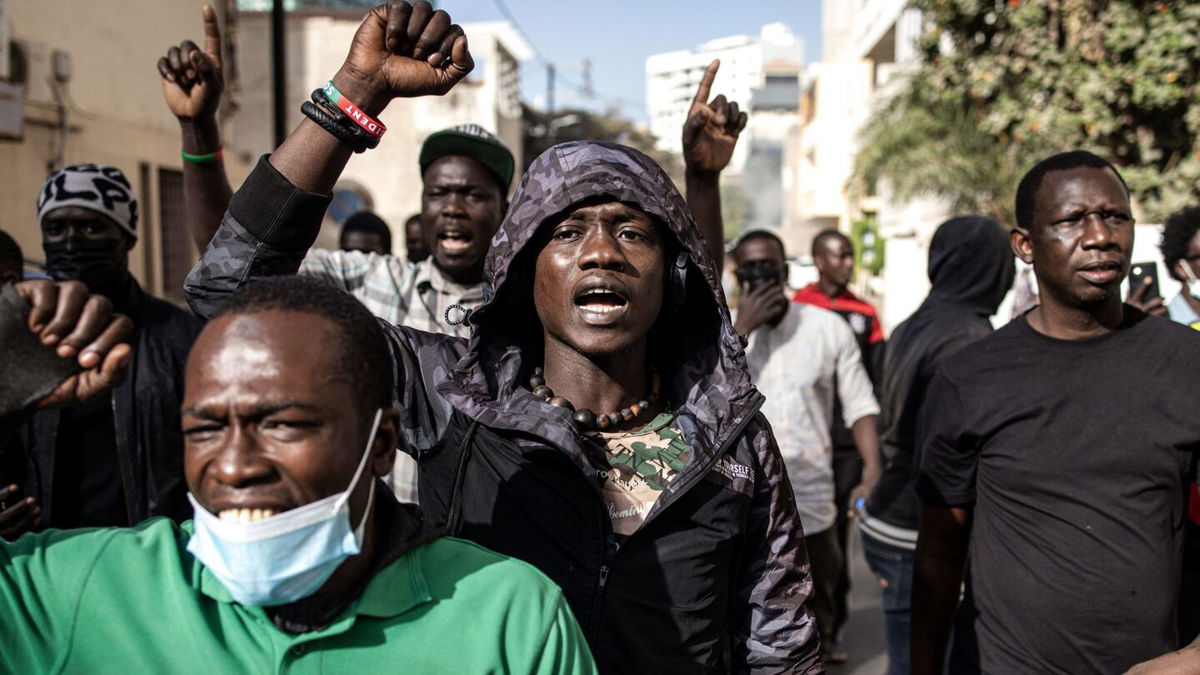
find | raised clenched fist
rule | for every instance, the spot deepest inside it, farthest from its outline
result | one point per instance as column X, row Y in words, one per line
column 403, row 50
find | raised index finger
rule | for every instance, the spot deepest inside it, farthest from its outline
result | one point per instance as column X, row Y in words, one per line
column 212, row 35
column 706, row 81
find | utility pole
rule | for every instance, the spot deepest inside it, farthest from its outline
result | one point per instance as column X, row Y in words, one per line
column 278, row 72
column 550, row 89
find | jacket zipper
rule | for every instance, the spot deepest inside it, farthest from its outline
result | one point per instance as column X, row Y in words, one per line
column 599, row 603
column 122, row 457
column 602, row 581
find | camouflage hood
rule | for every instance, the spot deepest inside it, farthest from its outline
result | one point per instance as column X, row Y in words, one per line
column 704, row 373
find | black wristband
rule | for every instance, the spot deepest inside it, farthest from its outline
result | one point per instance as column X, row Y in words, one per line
column 323, row 120
column 361, row 136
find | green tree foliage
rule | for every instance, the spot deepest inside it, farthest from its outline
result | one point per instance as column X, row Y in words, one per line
column 869, row 247
column 999, row 84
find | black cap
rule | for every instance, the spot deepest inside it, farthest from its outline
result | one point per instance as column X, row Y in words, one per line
column 470, row 140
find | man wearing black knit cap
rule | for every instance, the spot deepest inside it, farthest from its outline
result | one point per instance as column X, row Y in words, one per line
column 118, row 459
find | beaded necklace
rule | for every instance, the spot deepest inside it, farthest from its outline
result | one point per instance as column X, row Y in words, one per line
column 586, row 420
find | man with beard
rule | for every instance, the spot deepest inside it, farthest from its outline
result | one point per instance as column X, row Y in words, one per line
column 116, row 459
column 1061, row 449
column 465, row 172
column 600, row 423
column 970, row 271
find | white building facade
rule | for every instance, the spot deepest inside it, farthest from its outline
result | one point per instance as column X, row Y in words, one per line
column 866, row 44
column 672, row 78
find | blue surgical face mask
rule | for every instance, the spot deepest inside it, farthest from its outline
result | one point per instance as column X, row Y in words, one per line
column 285, row 557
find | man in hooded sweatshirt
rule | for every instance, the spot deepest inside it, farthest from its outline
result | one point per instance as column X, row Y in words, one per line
column 970, row 270
column 599, row 423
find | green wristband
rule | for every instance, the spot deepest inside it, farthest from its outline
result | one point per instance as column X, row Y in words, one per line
column 202, row 159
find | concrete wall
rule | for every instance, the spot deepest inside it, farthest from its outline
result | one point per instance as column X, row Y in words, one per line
column 115, row 112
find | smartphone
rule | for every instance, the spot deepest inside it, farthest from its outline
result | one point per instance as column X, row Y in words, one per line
column 1137, row 276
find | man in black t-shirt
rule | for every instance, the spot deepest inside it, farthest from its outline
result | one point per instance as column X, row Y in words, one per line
column 1062, row 448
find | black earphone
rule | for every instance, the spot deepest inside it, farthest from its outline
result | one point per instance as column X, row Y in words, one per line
column 678, row 282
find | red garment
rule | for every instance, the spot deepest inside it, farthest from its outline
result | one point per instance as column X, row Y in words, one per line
column 845, row 304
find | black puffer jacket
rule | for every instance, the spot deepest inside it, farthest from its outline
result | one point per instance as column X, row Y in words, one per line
column 718, row 571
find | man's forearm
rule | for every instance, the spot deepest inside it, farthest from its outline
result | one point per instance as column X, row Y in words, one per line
column 941, row 559
column 866, row 440
column 704, row 201
column 311, row 158
column 206, row 190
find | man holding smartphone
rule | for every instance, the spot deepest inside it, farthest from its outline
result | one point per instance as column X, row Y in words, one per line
column 795, row 351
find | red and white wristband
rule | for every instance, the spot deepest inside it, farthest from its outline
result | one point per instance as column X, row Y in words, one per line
column 369, row 124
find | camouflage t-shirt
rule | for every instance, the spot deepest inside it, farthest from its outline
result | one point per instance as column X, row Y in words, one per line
column 640, row 464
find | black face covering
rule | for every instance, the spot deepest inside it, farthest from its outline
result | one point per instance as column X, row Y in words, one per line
column 758, row 274
column 100, row 264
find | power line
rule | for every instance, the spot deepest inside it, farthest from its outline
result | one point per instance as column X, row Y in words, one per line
column 584, row 88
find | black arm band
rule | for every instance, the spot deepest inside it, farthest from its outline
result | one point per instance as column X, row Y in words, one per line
column 323, row 120
column 360, row 135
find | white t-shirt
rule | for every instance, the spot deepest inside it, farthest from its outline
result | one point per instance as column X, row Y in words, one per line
column 794, row 365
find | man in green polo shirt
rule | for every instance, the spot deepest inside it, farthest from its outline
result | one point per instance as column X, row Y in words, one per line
column 298, row 559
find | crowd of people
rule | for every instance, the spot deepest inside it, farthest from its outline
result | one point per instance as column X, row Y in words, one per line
column 541, row 441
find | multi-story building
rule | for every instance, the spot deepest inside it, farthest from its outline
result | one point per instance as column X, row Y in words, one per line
column 762, row 74
column 672, row 78
column 78, row 84
column 387, row 179
column 865, row 47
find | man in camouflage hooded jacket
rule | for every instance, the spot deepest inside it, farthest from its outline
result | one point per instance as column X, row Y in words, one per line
column 719, row 557
column 713, row 576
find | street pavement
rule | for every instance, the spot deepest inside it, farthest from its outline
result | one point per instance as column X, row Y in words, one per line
column 863, row 638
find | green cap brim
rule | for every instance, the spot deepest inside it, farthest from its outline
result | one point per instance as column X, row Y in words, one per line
column 494, row 156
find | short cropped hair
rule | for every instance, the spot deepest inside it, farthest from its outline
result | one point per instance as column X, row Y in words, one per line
column 1063, row 161
column 365, row 221
column 1178, row 231
column 362, row 349
column 11, row 257
column 826, row 234
column 759, row 234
